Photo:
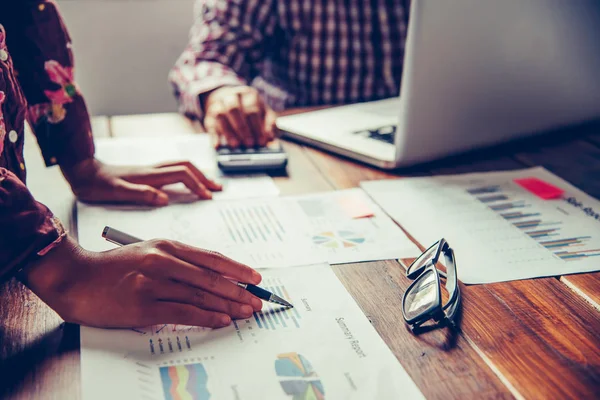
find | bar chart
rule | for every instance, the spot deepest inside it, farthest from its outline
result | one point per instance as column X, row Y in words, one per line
column 534, row 222
column 277, row 317
column 167, row 338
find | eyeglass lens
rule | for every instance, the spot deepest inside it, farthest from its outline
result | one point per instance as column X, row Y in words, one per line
column 422, row 296
column 423, row 259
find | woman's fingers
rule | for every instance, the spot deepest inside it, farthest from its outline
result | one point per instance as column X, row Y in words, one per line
column 211, row 260
column 127, row 192
column 210, row 184
column 160, row 177
column 180, row 293
column 202, row 278
column 214, row 283
column 166, row 312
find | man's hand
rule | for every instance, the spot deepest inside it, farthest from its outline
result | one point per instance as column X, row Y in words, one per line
column 95, row 182
column 240, row 116
column 155, row 282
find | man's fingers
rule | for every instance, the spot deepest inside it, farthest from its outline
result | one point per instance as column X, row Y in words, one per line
column 224, row 129
column 180, row 293
column 185, row 314
column 254, row 111
column 169, row 175
column 216, row 122
column 271, row 124
column 210, row 184
column 127, row 192
column 255, row 120
column 237, row 119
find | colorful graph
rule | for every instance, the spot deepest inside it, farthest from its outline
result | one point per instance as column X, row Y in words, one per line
column 338, row 239
column 185, row 382
column 297, row 377
column 272, row 316
column 546, row 231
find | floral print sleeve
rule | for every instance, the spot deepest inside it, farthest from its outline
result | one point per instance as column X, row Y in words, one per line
column 40, row 48
column 36, row 67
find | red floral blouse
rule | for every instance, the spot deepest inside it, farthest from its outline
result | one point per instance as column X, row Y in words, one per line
column 36, row 83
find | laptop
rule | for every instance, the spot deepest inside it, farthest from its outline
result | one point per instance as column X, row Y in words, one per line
column 476, row 73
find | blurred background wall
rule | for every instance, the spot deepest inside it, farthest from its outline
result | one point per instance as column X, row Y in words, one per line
column 124, row 50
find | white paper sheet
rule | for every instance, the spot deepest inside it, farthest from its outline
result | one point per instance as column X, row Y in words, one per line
column 263, row 233
column 499, row 230
column 324, row 348
column 194, row 148
column 143, row 151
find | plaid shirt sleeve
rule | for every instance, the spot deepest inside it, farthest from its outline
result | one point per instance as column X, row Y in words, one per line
column 226, row 44
column 40, row 48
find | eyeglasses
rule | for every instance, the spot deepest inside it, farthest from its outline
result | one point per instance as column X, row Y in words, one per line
column 422, row 301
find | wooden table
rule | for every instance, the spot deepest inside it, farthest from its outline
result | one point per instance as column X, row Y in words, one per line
column 526, row 339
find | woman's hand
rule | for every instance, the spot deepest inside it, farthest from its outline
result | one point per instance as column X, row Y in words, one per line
column 95, row 182
column 155, row 282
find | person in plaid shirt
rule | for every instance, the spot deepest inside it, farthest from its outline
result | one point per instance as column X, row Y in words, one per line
column 248, row 59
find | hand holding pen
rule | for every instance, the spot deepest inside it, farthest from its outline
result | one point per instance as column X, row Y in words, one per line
column 121, row 239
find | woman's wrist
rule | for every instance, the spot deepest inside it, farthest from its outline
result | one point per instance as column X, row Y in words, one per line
column 51, row 276
column 80, row 172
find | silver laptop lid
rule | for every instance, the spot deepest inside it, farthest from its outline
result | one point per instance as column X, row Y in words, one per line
column 478, row 72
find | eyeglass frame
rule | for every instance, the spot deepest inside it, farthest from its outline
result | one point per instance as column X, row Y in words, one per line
column 437, row 311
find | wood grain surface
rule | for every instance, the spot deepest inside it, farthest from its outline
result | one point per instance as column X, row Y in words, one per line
column 554, row 326
column 526, row 339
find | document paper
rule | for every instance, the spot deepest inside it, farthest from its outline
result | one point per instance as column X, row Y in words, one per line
column 324, row 348
column 194, row 148
column 499, row 230
column 269, row 232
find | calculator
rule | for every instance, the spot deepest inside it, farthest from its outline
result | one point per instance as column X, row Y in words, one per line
column 254, row 159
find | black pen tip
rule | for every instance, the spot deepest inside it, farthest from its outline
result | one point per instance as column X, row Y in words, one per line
column 278, row 300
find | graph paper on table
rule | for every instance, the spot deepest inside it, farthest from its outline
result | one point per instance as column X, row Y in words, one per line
column 273, row 316
column 499, row 230
column 263, row 233
column 323, row 348
column 534, row 223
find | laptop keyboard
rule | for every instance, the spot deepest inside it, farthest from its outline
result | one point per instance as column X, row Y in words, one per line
column 385, row 134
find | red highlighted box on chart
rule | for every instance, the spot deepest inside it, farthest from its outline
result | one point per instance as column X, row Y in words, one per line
column 540, row 188
column 355, row 207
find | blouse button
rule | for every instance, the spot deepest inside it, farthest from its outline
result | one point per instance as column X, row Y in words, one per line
column 13, row 136
column 3, row 55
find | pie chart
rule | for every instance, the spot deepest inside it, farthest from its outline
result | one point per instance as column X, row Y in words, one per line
column 338, row 239
column 298, row 378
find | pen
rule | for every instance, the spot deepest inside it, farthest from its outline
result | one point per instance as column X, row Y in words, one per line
column 122, row 239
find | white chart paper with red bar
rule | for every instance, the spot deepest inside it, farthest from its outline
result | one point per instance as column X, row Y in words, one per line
column 499, row 230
